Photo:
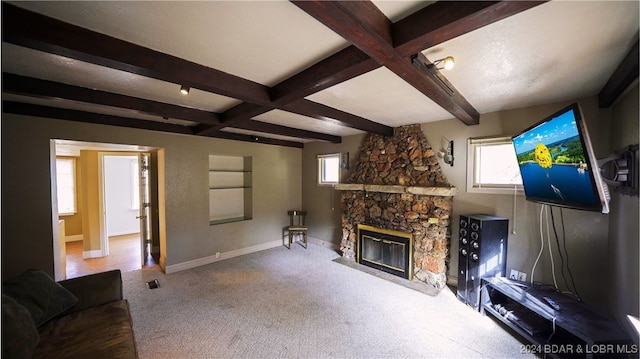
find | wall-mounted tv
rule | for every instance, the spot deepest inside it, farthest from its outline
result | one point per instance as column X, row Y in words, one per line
column 558, row 165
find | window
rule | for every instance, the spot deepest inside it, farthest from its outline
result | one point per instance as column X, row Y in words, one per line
column 492, row 166
column 329, row 169
column 66, row 186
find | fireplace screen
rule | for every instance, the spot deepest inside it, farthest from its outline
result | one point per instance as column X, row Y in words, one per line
column 386, row 250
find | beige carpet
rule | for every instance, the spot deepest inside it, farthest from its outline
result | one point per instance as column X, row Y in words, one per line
column 300, row 303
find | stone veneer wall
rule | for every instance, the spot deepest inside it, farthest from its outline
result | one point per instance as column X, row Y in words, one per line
column 405, row 159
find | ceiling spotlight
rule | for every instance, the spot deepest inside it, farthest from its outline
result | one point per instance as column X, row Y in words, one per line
column 447, row 63
column 184, row 90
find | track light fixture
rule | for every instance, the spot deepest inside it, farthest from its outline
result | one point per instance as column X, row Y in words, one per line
column 447, row 63
column 184, row 90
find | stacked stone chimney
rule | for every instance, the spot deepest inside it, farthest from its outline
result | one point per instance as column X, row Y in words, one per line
column 397, row 184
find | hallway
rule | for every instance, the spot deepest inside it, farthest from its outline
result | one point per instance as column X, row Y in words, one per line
column 124, row 254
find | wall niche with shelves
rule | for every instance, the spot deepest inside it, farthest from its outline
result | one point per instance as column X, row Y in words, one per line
column 230, row 189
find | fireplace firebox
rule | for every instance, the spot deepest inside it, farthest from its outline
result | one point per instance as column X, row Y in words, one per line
column 386, row 250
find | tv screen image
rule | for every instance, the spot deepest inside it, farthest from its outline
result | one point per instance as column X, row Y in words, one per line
column 557, row 163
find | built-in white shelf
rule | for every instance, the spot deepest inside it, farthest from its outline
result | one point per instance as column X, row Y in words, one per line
column 230, row 189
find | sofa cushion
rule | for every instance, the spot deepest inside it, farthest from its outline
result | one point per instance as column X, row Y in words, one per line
column 40, row 294
column 104, row 331
column 19, row 333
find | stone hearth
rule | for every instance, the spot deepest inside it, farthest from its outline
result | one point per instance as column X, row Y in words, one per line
column 397, row 184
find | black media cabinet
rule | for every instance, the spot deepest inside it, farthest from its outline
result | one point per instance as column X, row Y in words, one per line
column 575, row 330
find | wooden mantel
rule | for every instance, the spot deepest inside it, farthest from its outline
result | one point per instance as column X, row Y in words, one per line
column 426, row 191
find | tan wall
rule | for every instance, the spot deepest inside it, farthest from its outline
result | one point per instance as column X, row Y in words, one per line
column 89, row 180
column 322, row 202
column 27, row 229
column 586, row 231
column 623, row 277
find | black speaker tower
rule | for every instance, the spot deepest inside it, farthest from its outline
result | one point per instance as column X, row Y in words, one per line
column 482, row 254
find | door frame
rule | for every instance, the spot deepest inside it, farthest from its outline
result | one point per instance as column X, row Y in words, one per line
column 60, row 147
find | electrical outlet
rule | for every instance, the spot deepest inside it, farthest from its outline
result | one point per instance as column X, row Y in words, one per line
column 522, row 277
column 514, row 274
column 217, row 254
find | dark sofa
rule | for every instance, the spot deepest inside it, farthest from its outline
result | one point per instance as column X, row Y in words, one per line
column 84, row 317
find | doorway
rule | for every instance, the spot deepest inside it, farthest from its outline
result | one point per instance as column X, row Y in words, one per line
column 115, row 200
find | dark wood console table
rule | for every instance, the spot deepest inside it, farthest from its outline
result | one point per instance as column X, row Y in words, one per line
column 574, row 330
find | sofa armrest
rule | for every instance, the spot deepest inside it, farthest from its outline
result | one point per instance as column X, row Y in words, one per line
column 95, row 289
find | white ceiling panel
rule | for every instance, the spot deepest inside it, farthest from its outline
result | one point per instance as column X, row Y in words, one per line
column 557, row 51
column 560, row 50
column 381, row 96
column 263, row 41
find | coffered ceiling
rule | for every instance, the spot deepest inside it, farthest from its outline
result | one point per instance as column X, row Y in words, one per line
column 287, row 73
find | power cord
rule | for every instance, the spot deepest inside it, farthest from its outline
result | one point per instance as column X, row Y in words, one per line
column 533, row 270
column 564, row 240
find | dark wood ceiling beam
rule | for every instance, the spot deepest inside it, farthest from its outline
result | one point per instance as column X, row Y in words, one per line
column 266, row 127
column 445, row 20
column 338, row 117
column 20, row 108
column 242, row 112
column 425, row 28
column 342, row 66
column 365, row 26
column 29, row 86
column 256, row 139
column 25, row 109
column 237, row 115
column 32, row 30
column 622, row 77
column 25, row 28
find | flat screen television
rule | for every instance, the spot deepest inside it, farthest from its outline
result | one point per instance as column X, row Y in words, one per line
column 558, row 165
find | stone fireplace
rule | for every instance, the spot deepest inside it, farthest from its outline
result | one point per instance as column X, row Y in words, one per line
column 397, row 185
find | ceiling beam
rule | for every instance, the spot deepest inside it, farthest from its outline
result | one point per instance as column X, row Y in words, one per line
column 35, row 31
column 445, row 20
column 622, row 77
column 29, row 29
column 266, row 127
column 427, row 27
column 256, row 139
column 28, row 86
column 339, row 67
column 25, row 109
column 21, row 108
column 338, row 117
column 365, row 26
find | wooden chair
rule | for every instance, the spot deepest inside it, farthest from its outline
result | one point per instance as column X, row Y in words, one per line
column 296, row 227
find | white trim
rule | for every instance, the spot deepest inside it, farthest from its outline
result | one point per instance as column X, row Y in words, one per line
column 472, row 186
column 226, row 255
column 96, row 253
column 74, row 238
column 321, row 163
column 322, row 243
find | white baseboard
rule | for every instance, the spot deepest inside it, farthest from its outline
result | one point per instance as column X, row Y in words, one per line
column 73, row 238
column 92, row 254
column 323, row 243
column 173, row 268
